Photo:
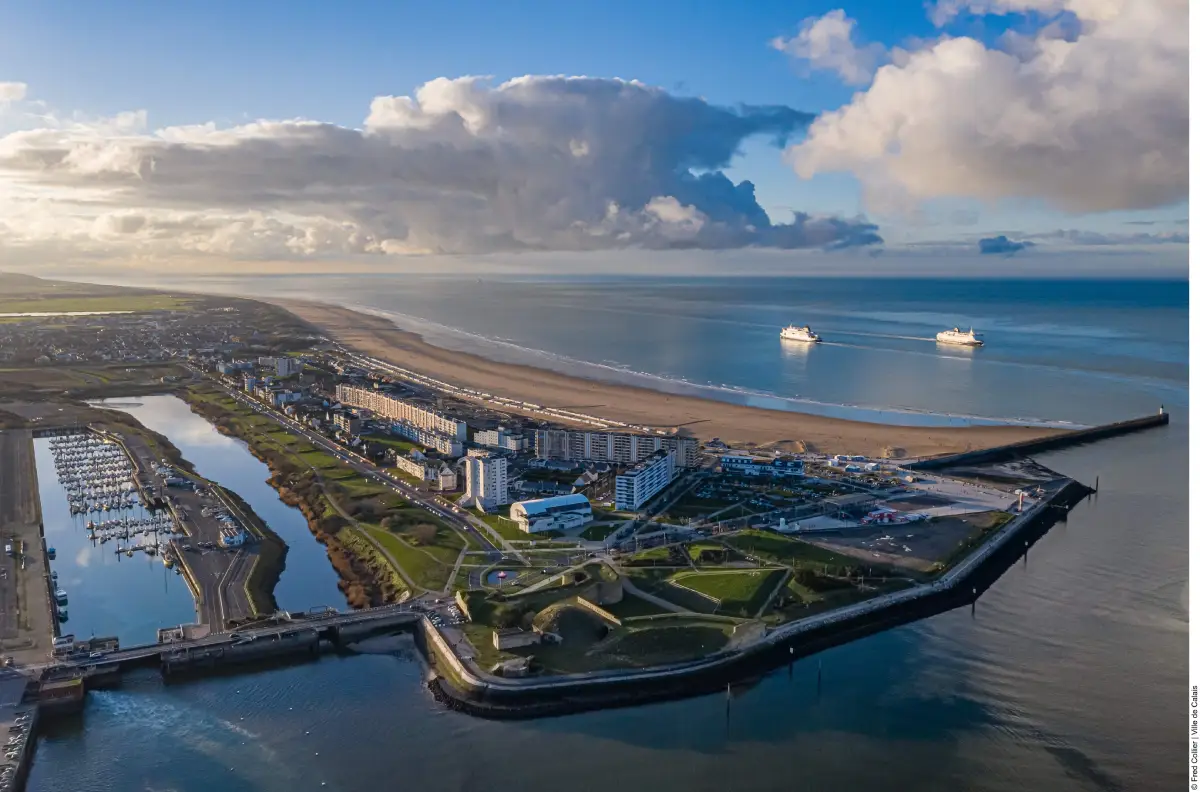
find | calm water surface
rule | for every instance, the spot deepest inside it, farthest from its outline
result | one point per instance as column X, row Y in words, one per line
column 308, row 580
column 1065, row 678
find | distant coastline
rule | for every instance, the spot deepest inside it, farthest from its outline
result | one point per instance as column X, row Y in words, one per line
column 700, row 417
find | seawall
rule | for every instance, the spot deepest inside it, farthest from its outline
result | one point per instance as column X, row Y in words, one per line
column 461, row 686
column 1051, row 443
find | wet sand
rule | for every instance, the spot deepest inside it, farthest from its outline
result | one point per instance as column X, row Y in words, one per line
column 702, row 418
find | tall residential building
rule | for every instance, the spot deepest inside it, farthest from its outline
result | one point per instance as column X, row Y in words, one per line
column 389, row 406
column 620, row 447
column 501, row 438
column 487, row 481
column 287, row 366
column 643, row 481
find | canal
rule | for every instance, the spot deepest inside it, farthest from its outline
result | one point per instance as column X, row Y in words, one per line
column 308, row 578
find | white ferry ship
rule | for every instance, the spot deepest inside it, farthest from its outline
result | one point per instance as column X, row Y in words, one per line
column 957, row 336
column 793, row 333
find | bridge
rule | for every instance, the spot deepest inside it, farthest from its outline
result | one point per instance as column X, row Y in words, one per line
column 279, row 635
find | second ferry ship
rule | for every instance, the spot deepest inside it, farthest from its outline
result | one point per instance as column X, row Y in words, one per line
column 957, row 336
column 793, row 333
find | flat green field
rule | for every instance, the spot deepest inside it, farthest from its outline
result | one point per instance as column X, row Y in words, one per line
column 596, row 533
column 780, row 549
column 741, row 593
column 131, row 302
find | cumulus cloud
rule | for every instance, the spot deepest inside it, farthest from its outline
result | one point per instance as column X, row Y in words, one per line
column 1088, row 114
column 12, row 91
column 827, row 42
column 1001, row 245
column 537, row 163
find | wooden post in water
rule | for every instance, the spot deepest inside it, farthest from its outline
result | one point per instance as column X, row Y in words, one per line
column 818, row 677
column 791, row 660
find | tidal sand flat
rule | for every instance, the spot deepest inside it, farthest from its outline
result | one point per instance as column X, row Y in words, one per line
column 702, row 418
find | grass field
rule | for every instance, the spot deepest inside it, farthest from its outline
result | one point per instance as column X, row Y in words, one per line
column 425, row 570
column 597, row 533
column 670, row 644
column 740, row 593
column 131, row 302
column 780, row 549
column 631, row 606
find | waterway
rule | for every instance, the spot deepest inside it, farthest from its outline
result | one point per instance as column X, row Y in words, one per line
column 108, row 594
column 308, row 579
column 1065, row 678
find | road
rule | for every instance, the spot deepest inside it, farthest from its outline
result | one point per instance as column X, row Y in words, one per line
column 26, row 616
column 480, row 531
column 220, row 574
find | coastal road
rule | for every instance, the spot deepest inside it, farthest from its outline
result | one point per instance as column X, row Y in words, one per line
column 462, row 521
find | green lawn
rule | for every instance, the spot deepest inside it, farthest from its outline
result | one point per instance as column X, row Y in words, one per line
column 670, row 644
column 780, row 549
column 425, row 571
column 631, row 606
column 402, row 446
column 740, row 593
column 597, row 533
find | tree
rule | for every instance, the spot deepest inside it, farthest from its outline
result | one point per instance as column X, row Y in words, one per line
column 424, row 534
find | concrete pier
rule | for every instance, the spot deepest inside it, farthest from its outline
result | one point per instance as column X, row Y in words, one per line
column 1051, row 443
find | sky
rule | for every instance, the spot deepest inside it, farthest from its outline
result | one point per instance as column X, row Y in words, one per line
column 210, row 132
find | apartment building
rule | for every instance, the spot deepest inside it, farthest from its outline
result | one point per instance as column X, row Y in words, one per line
column 382, row 403
column 439, row 474
column 620, row 447
column 348, row 421
column 501, row 438
column 749, row 465
column 442, row 443
column 487, row 481
column 643, row 481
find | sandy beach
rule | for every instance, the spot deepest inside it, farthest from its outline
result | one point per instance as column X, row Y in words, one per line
column 702, row 418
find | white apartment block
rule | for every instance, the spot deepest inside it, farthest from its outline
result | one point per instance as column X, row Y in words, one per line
column 287, row 366
column 642, row 482
column 435, row 440
column 620, row 447
column 501, row 438
column 399, row 410
column 487, row 481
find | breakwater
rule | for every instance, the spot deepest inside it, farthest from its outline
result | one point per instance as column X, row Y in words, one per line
column 462, row 686
column 1051, row 443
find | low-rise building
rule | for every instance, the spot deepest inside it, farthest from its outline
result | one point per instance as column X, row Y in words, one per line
column 562, row 513
column 643, row 481
column 749, row 465
column 438, row 473
column 514, row 638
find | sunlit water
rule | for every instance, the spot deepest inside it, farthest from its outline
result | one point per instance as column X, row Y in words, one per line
column 1064, row 679
column 308, row 580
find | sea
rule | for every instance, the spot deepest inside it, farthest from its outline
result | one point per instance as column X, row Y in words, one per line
column 1069, row 674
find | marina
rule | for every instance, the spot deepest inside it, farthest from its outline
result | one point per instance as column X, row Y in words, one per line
column 107, row 572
